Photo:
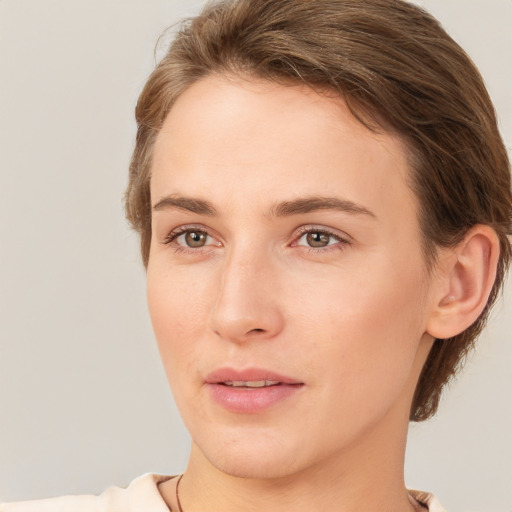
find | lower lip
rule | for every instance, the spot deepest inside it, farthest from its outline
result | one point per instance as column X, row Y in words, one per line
column 251, row 400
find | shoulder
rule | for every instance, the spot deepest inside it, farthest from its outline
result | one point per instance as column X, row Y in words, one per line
column 429, row 501
column 141, row 495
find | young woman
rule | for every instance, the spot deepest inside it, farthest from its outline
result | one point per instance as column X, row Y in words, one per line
column 323, row 200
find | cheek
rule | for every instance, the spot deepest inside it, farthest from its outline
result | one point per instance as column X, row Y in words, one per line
column 178, row 307
column 370, row 296
column 366, row 323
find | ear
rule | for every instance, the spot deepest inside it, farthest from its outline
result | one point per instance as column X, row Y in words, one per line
column 465, row 277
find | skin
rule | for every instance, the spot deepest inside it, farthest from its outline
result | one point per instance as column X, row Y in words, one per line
column 348, row 319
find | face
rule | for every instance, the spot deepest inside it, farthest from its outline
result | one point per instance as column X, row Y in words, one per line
column 286, row 282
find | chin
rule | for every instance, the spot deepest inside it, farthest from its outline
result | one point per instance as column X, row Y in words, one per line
column 267, row 459
column 258, row 467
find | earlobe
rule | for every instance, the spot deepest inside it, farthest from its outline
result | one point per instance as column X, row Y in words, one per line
column 466, row 277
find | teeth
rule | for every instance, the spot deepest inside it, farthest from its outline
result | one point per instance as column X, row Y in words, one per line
column 251, row 383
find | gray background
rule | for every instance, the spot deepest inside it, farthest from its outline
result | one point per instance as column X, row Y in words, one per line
column 84, row 402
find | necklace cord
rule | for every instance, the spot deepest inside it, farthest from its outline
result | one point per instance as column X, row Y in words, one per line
column 180, row 509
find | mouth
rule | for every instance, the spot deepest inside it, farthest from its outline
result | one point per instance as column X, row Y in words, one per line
column 250, row 391
column 250, row 384
column 249, row 378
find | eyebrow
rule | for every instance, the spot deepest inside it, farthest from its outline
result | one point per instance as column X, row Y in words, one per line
column 188, row 204
column 282, row 209
column 312, row 204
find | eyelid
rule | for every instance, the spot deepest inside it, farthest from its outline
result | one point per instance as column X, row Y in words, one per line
column 314, row 228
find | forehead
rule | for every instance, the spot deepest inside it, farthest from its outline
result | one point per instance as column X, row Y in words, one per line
column 252, row 140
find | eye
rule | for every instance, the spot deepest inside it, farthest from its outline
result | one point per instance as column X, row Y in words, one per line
column 189, row 238
column 193, row 238
column 319, row 239
column 316, row 239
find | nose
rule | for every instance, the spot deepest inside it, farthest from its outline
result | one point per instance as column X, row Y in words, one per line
column 247, row 303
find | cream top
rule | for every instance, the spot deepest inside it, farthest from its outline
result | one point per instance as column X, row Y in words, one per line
column 142, row 495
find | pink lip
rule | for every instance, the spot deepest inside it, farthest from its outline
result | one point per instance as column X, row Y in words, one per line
column 253, row 400
column 254, row 374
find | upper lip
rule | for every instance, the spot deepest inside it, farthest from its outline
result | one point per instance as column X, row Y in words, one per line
column 248, row 375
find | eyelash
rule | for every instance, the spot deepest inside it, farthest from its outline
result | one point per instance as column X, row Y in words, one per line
column 340, row 244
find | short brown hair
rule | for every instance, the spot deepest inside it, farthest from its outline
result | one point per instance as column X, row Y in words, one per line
column 397, row 69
